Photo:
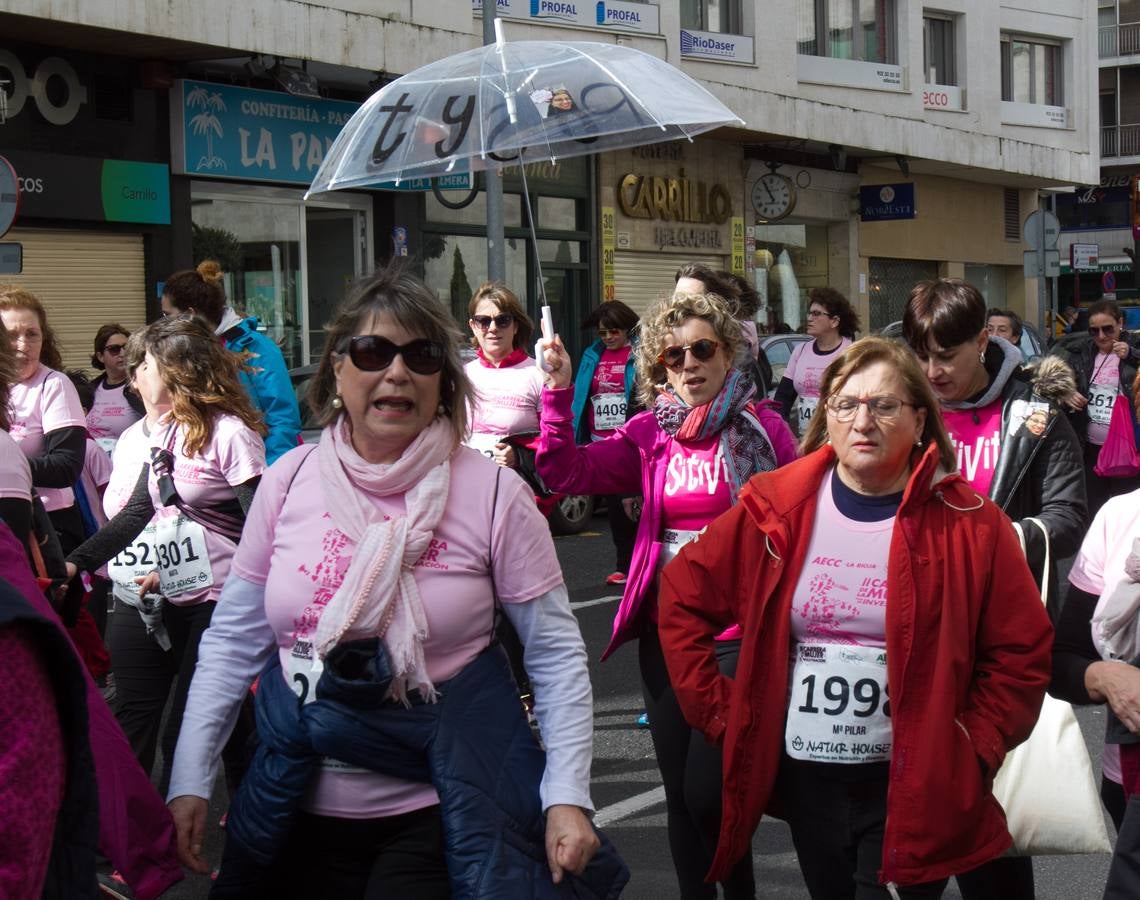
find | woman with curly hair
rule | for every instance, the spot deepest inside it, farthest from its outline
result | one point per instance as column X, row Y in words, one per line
column 832, row 322
column 176, row 533
column 702, row 436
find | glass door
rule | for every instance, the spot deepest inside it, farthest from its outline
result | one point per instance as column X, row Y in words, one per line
column 335, row 243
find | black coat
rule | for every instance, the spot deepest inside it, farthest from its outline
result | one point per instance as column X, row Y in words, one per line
column 1079, row 351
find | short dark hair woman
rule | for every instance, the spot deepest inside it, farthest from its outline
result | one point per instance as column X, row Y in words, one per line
column 832, row 323
column 115, row 405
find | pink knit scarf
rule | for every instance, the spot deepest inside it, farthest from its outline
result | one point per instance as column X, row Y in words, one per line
column 379, row 595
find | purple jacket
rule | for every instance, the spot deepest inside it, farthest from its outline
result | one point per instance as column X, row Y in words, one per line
column 136, row 831
column 630, row 461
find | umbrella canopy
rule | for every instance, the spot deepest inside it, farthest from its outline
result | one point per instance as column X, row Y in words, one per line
column 514, row 102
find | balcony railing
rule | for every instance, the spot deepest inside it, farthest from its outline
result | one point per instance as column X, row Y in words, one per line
column 1119, row 40
column 1120, row 140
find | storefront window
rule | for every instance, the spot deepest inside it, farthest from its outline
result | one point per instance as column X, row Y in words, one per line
column 286, row 262
column 790, row 261
column 990, row 280
column 474, row 213
column 456, row 264
column 891, row 283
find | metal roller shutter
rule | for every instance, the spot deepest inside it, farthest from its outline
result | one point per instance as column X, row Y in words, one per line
column 641, row 278
column 84, row 280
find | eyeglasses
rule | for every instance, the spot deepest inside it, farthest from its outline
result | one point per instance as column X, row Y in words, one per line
column 503, row 320
column 816, row 313
column 1106, row 330
column 609, row 332
column 883, row 409
column 674, row 357
column 114, row 349
column 372, row 353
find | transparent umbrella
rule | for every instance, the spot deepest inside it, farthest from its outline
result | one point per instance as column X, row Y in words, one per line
column 507, row 103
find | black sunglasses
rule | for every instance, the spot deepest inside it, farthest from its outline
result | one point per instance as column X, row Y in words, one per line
column 1094, row 330
column 114, row 349
column 502, row 320
column 674, row 357
column 372, row 353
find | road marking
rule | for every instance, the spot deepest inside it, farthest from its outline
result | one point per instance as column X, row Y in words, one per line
column 630, row 806
column 583, row 604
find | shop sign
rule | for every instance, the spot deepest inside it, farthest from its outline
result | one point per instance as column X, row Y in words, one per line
column 459, row 182
column 1084, row 257
column 1036, row 115
column 227, row 131
column 673, row 199
column 608, row 280
column 941, row 96
column 884, row 202
column 53, row 186
column 737, row 245
column 58, row 106
column 873, row 76
column 616, row 15
column 713, row 45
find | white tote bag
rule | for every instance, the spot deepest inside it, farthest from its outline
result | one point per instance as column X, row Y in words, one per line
column 1046, row 785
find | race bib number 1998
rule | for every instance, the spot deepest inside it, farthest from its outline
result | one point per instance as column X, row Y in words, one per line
column 839, row 710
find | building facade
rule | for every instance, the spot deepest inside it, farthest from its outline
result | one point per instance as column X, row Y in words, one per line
column 883, row 142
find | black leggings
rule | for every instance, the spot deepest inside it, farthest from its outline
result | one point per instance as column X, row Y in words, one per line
column 623, row 530
column 691, row 772
column 349, row 859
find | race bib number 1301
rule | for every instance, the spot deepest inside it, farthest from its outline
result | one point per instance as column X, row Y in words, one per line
column 840, row 711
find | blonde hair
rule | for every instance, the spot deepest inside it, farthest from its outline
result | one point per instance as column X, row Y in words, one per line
column 656, row 332
column 899, row 358
column 9, row 373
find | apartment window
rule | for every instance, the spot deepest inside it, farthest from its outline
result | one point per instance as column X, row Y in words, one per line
column 721, row 16
column 847, row 29
column 1031, row 71
column 938, row 50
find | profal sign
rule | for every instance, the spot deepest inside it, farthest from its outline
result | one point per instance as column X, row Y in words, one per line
column 673, row 199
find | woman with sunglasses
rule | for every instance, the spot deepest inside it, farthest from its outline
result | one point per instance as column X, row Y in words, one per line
column 507, row 385
column 390, row 544
column 603, row 400
column 702, row 436
column 1014, row 445
column 116, row 406
column 201, row 459
column 865, row 565
column 832, row 323
column 1105, row 362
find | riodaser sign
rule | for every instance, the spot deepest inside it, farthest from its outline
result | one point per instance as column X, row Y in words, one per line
column 714, row 45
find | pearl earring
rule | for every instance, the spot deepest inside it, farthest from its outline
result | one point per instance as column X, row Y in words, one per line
column 982, row 357
column 441, row 410
column 337, row 403
column 918, row 442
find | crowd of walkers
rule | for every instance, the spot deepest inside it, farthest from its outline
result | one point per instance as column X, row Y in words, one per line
column 834, row 584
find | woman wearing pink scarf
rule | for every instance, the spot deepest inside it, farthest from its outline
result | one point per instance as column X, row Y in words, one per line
column 703, row 435
column 389, row 529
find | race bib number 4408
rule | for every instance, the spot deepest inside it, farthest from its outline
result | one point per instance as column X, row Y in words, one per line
column 840, row 711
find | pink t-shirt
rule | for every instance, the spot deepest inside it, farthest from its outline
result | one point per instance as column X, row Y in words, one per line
column 609, row 378
column 841, row 595
column 301, row 557
column 978, row 444
column 805, row 367
column 44, row 403
column 508, row 400
column 15, row 474
column 1099, row 567
column 110, row 414
column 1104, row 385
column 697, row 487
column 234, row 455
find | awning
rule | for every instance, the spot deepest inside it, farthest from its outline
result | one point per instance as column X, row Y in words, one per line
column 1113, row 264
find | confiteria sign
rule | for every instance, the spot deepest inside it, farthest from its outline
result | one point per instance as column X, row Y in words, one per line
column 59, row 107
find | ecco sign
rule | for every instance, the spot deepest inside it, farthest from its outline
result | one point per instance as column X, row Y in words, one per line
column 21, row 88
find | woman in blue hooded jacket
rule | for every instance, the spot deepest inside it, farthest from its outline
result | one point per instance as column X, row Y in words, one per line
column 603, row 395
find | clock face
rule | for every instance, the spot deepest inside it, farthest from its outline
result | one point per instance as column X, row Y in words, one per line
column 773, row 196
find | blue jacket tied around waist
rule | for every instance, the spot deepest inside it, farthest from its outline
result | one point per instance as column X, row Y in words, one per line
column 474, row 745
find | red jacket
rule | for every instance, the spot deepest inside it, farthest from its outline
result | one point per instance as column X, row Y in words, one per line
column 968, row 655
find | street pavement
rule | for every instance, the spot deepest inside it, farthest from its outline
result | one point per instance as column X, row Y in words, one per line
column 627, row 787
